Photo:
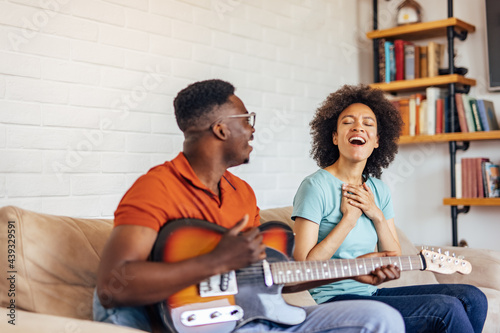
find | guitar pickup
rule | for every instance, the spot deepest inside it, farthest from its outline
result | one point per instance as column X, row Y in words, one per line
column 219, row 285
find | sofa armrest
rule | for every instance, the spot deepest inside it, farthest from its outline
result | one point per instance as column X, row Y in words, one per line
column 28, row 322
column 485, row 267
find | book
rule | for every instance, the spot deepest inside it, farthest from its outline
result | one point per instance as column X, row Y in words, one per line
column 422, row 117
column 468, row 113
column 423, row 61
column 433, row 94
column 390, row 65
column 417, row 61
column 400, row 59
column 381, row 59
column 482, row 114
column 461, row 113
column 490, row 115
column 439, row 115
column 492, row 180
column 458, row 180
column 435, row 54
column 475, row 114
column 409, row 61
column 419, row 106
column 412, row 115
column 478, row 167
column 405, row 115
column 466, row 178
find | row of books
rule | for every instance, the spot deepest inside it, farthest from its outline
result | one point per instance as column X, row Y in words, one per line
column 475, row 115
column 477, row 177
column 403, row 60
column 430, row 113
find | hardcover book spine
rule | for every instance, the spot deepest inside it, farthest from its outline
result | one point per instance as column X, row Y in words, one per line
column 482, row 114
column 400, row 59
column 409, row 50
column 423, row 61
column 475, row 114
column 461, row 113
column 381, row 58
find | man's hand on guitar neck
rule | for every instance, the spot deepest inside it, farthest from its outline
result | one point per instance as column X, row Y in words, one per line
column 239, row 249
column 380, row 274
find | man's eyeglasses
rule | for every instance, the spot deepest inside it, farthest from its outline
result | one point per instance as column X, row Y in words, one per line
column 250, row 118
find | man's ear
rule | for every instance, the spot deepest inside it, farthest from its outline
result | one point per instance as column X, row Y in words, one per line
column 221, row 131
column 376, row 142
column 335, row 138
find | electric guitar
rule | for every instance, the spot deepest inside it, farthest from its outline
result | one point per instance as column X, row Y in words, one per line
column 227, row 301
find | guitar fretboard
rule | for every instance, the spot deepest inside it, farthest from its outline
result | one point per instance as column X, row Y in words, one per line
column 303, row 271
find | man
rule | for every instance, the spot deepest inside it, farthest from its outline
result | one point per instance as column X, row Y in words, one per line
column 196, row 184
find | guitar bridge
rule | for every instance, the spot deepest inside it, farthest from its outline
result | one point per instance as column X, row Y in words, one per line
column 211, row 316
column 219, row 285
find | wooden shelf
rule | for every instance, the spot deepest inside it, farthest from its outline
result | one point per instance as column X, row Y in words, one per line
column 423, row 83
column 447, row 137
column 422, row 30
column 471, row 201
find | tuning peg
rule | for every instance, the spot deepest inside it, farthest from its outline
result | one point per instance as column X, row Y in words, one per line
column 432, row 249
column 461, row 257
column 453, row 255
column 446, row 253
column 439, row 251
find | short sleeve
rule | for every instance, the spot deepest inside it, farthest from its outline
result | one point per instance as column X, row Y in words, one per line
column 143, row 204
column 309, row 201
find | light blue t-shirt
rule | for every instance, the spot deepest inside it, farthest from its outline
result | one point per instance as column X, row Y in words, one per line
column 318, row 200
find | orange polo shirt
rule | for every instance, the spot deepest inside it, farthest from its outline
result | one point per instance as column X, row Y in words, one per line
column 172, row 191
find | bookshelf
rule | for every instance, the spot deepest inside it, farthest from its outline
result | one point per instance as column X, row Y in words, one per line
column 412, row 85
column 447, row 137
column 471, row 201
column 423, row 30
column 450, row 28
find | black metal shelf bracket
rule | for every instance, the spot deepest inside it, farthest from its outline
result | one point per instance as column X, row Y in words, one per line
column 464, row 146
column 463, row 210
column 462, row 35
column 463, row 89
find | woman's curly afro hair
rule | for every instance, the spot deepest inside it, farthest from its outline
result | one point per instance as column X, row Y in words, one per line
column 324, row 124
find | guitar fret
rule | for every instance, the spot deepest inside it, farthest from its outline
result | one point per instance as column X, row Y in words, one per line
column 301, row 271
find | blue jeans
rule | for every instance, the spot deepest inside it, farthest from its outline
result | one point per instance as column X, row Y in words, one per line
column 453, row 308
column 364, row 316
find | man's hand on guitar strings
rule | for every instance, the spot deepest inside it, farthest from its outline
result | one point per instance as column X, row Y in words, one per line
column 239, row 249
column 380, row 274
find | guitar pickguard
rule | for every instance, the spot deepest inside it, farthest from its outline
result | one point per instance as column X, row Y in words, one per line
column 262, row 302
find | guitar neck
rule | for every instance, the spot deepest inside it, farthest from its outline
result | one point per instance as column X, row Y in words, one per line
column 304, row 271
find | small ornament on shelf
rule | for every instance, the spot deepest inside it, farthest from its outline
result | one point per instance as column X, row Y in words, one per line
column 408, row 12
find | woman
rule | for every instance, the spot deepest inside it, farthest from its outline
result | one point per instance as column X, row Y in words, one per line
column 343, row 211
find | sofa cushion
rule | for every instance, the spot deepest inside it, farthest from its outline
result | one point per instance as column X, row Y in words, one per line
column 57, row 279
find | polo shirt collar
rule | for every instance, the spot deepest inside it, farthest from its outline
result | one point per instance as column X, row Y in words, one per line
column 184, row 168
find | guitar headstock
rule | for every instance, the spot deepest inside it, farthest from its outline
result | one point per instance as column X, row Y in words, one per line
column 444, row 264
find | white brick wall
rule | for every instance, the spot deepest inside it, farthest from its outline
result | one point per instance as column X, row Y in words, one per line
column 86, row 90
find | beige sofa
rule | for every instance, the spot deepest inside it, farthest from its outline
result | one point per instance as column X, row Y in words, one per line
column 56, row 258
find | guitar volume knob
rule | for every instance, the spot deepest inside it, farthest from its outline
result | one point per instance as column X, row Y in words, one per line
column 215, row 314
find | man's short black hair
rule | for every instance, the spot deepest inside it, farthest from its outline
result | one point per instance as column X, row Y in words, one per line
column 194, row 103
